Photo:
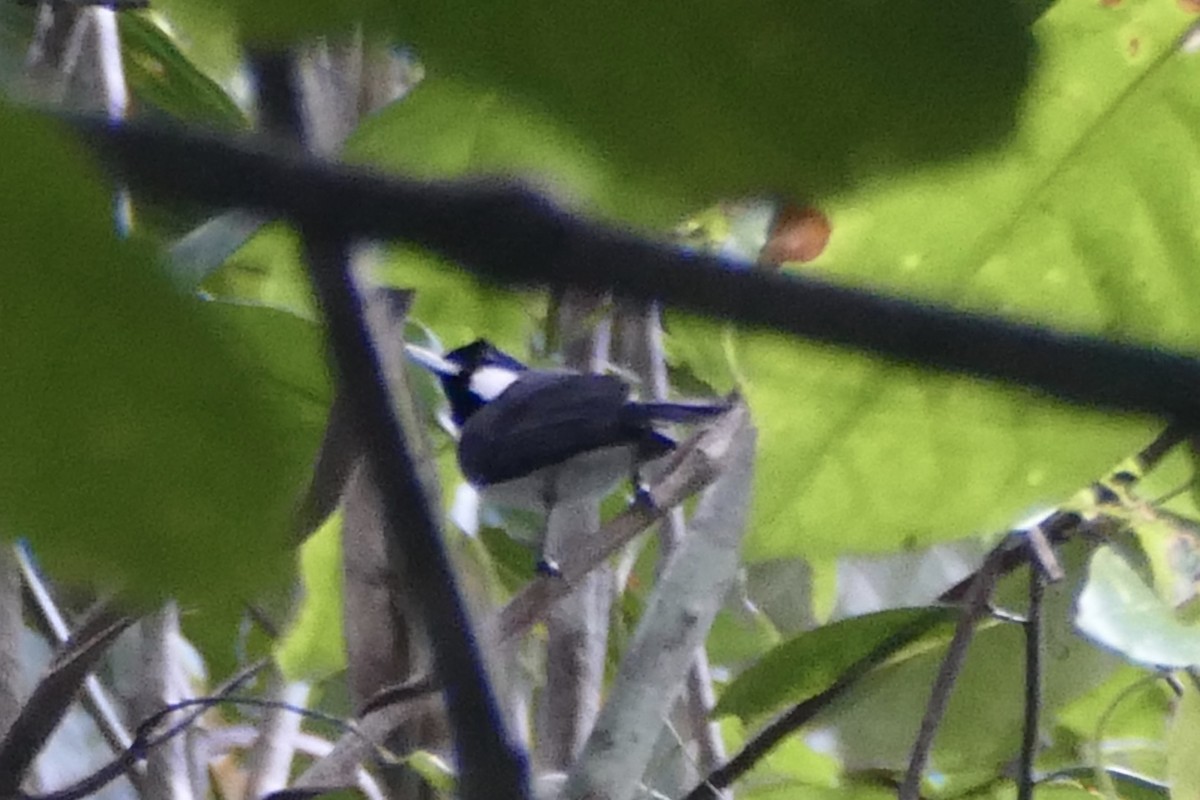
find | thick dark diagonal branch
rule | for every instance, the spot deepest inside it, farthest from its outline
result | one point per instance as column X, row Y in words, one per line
column 512, row 234
column 489, row 766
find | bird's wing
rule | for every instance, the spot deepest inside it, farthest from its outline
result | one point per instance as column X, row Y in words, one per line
column 541, row 420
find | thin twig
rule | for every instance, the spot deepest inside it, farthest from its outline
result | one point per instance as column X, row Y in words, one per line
column 143, row 742
column 956, row 653
column 96, row 699
column 1152, row 454
column 1033, row 682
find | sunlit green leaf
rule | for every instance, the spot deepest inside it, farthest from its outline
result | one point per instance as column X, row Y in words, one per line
column 459, row 307
column 266, row 270
column 313, row 647
column 434, row 769
column 205, row 32
column 1085, row 221
column 793, row 763
column 1182, row 765
column 163, row 78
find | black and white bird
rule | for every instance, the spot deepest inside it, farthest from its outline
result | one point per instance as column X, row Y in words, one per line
column 531, row 438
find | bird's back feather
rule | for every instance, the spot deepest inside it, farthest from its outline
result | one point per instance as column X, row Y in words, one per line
column 546, row 418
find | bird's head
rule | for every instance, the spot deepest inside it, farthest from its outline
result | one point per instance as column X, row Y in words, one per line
column 472, row 375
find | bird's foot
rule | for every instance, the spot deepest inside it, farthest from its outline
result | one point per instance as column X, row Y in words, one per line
column 642, row 496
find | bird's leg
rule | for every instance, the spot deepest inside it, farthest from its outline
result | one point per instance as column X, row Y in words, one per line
column 547, row 565
column 641, row 490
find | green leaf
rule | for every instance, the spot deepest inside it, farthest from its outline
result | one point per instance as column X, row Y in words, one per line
column 1083, row 222
column 313, row 647
column 876, row 721
column 1182, row 765
column 725, row 99
column 1128, row 786
column 434, row 769
column 162, row 77
column 444, row 128
column 864, row 456
column 459, row 307
column 740, row 635
column 204, row 32
column 289, row 354
column 1118, row 610
column 136, row 446
column 1123, row 722
column 807, row 664
column 266, row 269
column 792, row 762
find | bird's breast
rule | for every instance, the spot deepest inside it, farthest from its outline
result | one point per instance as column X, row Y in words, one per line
column 589, row 475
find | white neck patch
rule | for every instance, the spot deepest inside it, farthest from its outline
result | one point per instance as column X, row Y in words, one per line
column 488, row 382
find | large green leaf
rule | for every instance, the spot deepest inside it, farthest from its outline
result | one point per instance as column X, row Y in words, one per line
column 1085, row 222
column 445, row 128
column 137, row 444
column 877, row 720
column 726, row 98
column 807, row 664
column 720, row 98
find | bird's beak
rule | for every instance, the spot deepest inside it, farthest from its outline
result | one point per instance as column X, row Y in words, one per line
column 434, row 362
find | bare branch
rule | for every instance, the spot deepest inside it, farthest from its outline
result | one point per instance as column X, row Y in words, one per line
column 53, row 696
column 1033, row 682
column 974, row 608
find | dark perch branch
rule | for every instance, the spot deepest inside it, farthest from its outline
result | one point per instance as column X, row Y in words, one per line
column 513, row 234
column 489, row 765
column 1033, row 682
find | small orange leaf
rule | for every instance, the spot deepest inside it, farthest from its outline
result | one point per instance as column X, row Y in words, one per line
column 799, row 233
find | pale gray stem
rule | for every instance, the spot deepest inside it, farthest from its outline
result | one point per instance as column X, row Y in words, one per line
column 642, row 348
column 167, row 774
column 577, row 638
column 96, row 699
column 676, row 621
column 11, row 628
column 577, row 627
column 270, row 761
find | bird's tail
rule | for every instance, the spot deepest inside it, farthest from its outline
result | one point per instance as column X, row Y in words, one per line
column 677, row 412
